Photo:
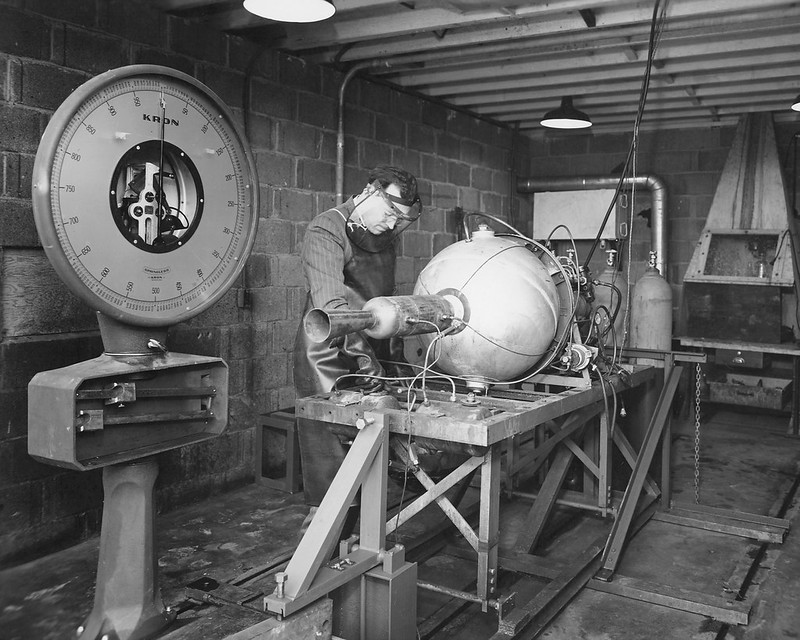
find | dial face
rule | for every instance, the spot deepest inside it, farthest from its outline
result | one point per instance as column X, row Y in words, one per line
column 145, row 195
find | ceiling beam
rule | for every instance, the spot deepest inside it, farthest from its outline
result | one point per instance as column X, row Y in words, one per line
column 608, row 73
column 669, row 53
column 600, row 93
column 590, row 100
column 338, row 32
column 368, row 39
column 631, row 37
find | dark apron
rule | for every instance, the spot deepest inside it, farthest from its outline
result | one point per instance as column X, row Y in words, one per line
column 317, row 366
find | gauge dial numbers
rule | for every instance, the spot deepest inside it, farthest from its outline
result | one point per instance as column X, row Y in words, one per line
column 145, row 195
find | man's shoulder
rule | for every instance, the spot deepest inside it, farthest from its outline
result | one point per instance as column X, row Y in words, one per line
column 332, row 219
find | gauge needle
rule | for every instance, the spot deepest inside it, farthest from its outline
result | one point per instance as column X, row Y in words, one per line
column 160, row 193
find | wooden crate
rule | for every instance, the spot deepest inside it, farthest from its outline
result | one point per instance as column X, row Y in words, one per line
column 760, row 392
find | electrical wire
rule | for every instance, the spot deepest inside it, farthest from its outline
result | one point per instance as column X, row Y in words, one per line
column 554, row 350
column 429, row 365
column 595, row 369
column 656, row 28
column 657, row 24
column 403, row 489
column 562, row 339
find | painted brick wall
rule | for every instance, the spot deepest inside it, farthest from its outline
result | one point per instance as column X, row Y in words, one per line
column 50, row 47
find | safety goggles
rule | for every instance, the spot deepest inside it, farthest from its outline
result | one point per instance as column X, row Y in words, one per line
column 415, row 205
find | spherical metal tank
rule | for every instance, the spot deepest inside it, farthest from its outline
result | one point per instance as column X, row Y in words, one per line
column 511, row 306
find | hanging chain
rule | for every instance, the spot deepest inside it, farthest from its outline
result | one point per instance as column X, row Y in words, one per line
column 697, row 435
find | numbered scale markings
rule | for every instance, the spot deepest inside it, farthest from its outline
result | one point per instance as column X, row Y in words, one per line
column 145, row 195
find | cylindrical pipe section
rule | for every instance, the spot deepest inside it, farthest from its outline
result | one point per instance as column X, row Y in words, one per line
column 321, row 325
column 385, row 317
column 456, row 593
column 410, row 315
column 340, row 131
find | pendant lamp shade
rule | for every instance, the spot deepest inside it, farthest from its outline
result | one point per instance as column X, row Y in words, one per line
column 566, row 117
column 291, row 10
column 796, row 104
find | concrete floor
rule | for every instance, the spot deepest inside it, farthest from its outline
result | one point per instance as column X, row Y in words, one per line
column 748, row 463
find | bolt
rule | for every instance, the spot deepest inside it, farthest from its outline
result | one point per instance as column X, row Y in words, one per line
column 363, row 422
column 80, row 630
column 280, row 578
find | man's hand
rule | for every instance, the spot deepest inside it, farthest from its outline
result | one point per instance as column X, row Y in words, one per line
column 371, row 371
column 370, row 385
column 368, row 369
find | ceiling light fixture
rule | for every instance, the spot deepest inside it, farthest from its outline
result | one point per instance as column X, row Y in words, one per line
column 291, row 10
column 566, row 117
column 796, row 104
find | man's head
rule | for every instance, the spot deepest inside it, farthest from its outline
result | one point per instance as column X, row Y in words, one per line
column 388, row 201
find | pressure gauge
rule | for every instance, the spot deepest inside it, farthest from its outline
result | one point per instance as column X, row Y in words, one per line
column 145, row 195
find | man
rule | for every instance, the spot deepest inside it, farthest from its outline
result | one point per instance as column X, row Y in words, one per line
column 348, row 258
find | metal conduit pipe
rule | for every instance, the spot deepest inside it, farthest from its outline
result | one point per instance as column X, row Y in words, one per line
column 658, row 200
column 340, row 132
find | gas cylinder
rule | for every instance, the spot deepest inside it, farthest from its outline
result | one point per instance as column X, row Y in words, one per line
column 651, row 310
column 611, row 292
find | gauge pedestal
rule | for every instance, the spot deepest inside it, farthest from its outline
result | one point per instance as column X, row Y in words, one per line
column 127, row 603
column 116, row 412
column 145, row 199
column 122, row 338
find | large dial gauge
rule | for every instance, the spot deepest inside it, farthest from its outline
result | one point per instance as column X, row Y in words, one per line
column 145, row 195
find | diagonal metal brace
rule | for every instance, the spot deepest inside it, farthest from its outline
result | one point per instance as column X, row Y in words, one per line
column 306, row 576
column 619, row 530
column 434, row 492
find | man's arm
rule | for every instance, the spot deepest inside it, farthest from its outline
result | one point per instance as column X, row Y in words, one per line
column 323, row 257
column 325, row 251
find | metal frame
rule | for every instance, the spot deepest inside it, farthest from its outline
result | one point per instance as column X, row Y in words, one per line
column 791, row 350
column 372, row 581
column 560, row 421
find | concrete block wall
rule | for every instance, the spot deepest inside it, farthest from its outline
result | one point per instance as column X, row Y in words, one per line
column 690, row 163
column 288, row 109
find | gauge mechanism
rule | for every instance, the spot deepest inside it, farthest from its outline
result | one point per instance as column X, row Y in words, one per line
column 145, row 195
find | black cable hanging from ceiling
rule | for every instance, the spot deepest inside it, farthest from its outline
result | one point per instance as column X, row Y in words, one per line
column 656, row 28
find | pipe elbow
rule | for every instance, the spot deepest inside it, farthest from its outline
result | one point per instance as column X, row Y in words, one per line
column 655, row 183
